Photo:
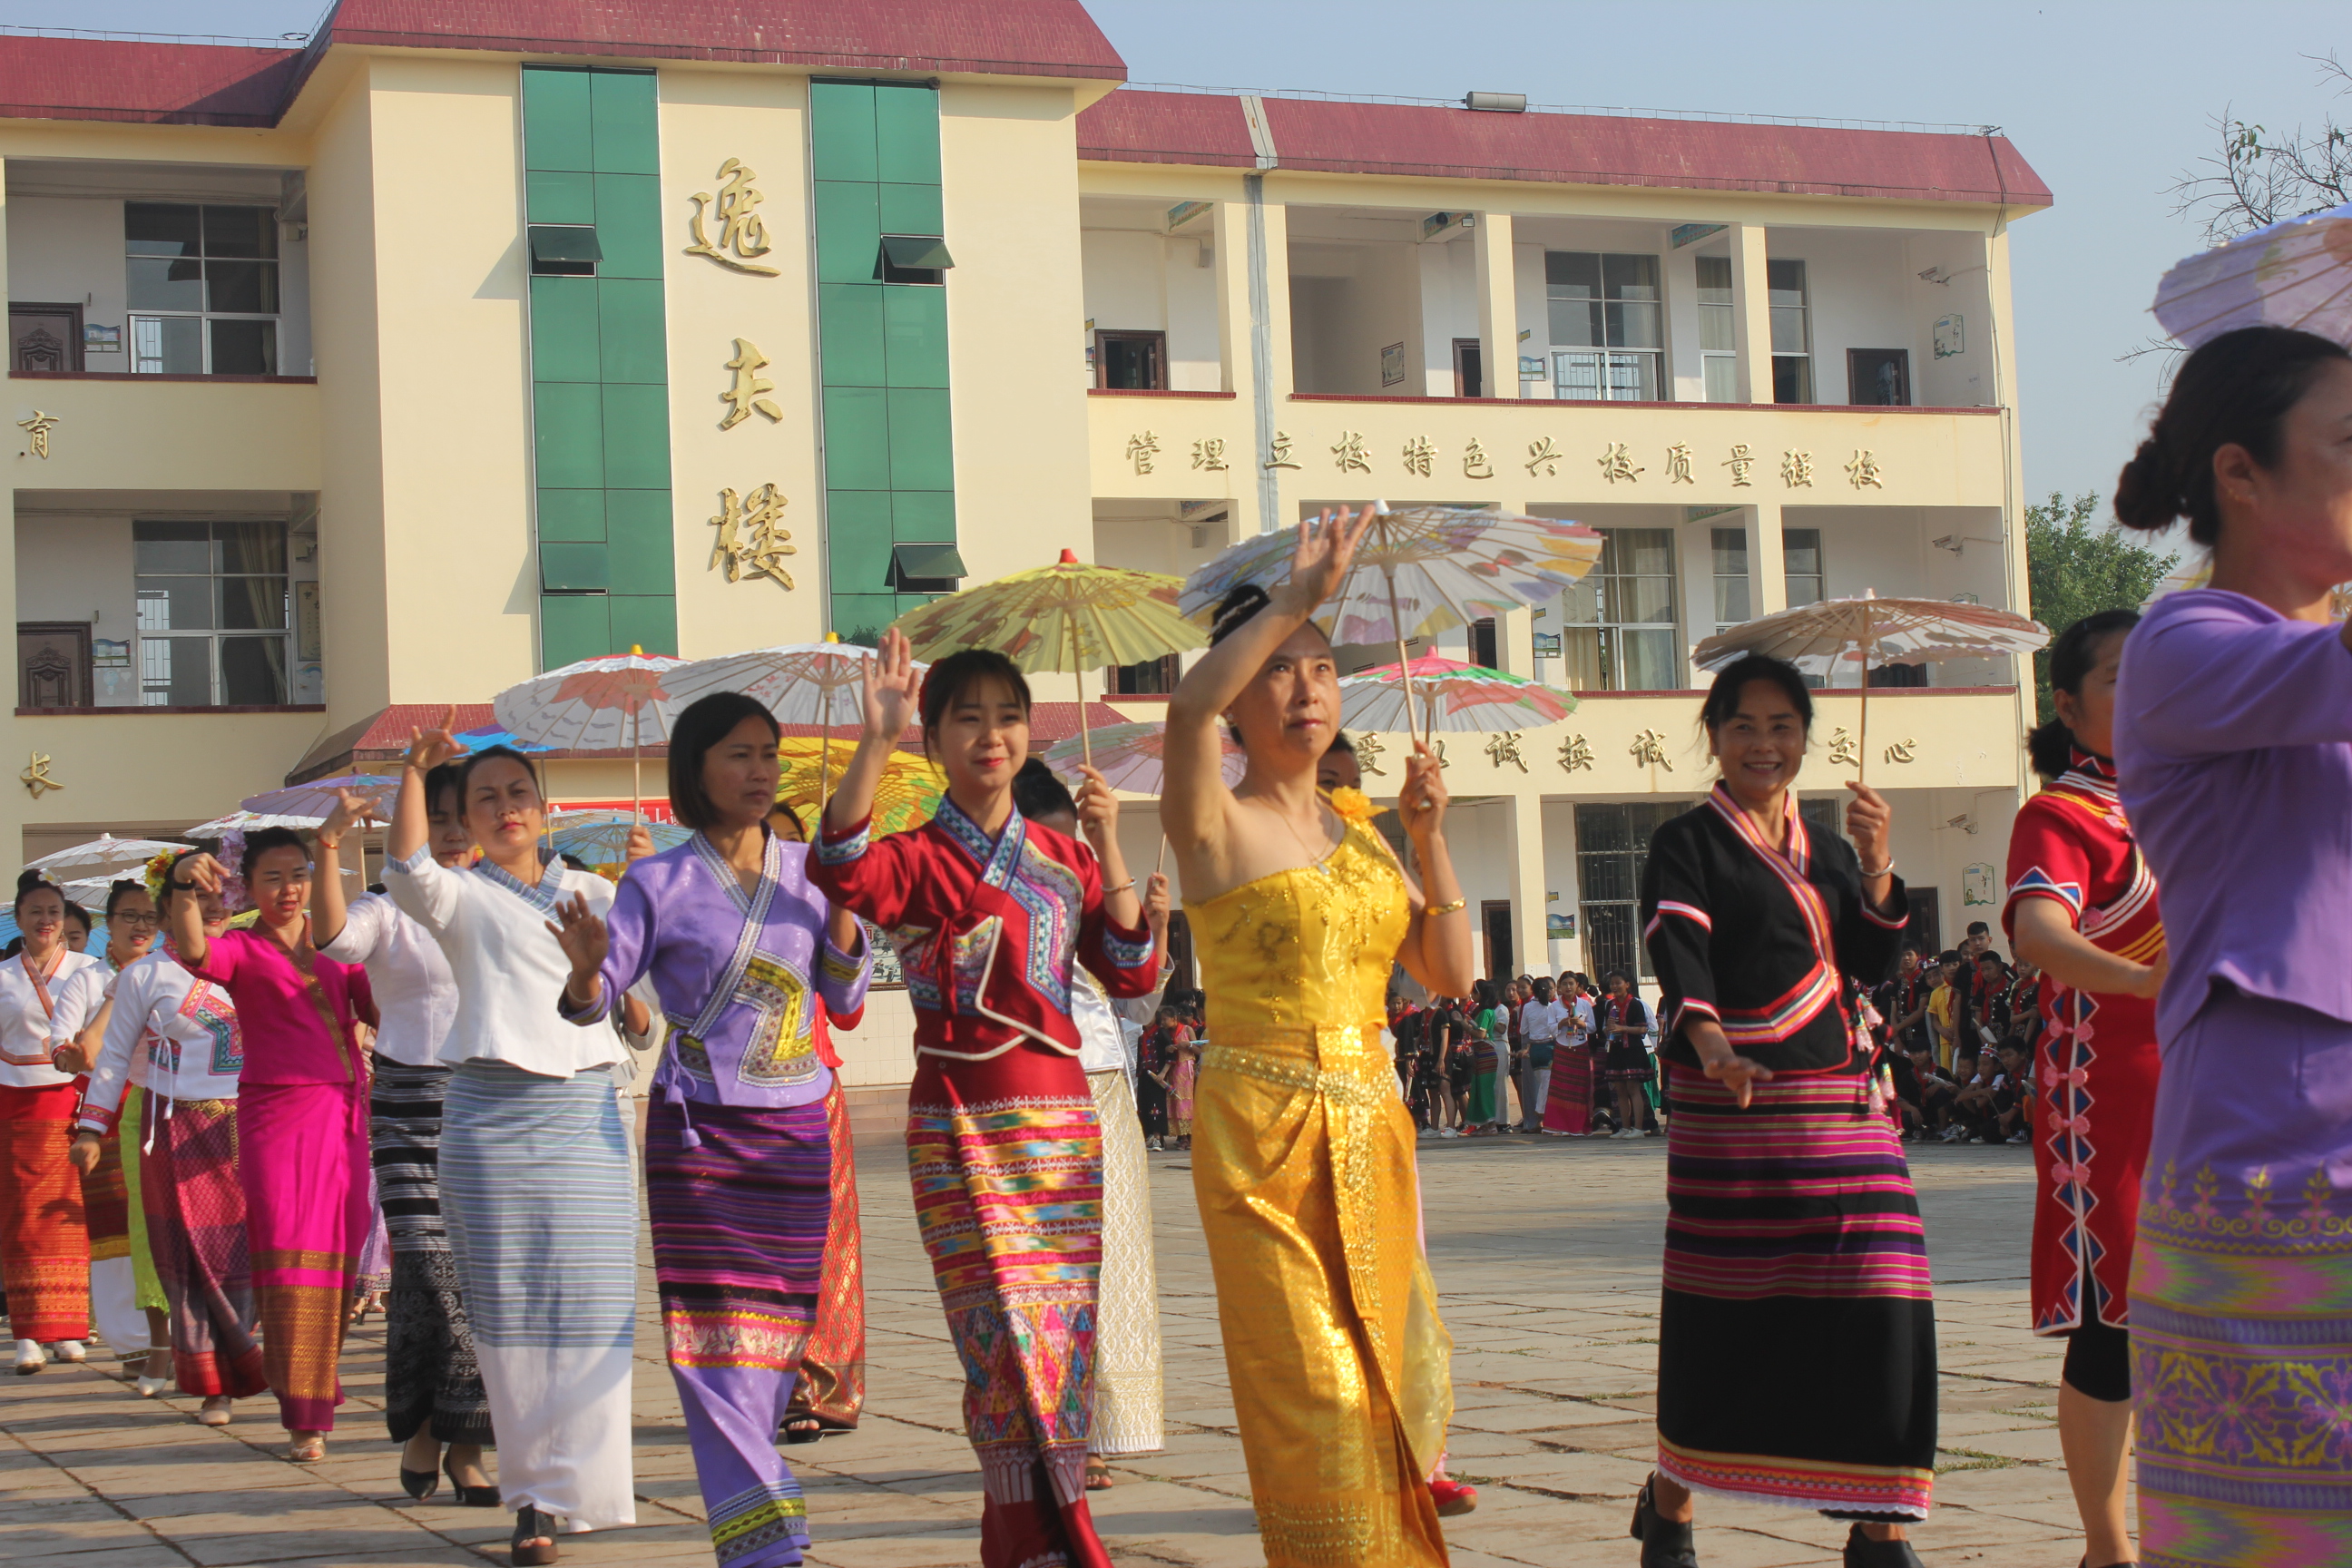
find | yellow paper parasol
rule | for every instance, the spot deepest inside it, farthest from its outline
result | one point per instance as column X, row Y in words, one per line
column 907, row 796
column 1071, row 616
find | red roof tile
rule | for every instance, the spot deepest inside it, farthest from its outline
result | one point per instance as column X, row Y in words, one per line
column 160, row 84
column 1133, row 126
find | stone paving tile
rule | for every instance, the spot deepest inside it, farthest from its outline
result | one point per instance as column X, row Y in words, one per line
column 1547, row 1274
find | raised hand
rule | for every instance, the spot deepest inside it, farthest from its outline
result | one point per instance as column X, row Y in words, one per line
column 1327, row 549
column 584, row 941
column 1097, row 809
column 1424, row 797
column 1868, row 819
column 889, row 687
column 350, row 809
column 641, row 843
column 203, row 871
column 429, row 749
column 1156, row 905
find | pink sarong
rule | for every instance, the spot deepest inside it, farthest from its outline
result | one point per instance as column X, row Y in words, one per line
column 302, row 1159
column 1568, row 1108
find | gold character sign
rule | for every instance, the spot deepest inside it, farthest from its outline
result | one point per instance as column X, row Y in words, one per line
column 1616, row 464
column 750, row 388
column 1864, row 470
column 1575, row 753
column 752, row 540
column 1279, row 452
column 38, row 427
column 35, row 777
column 1419, row 453
column 1210, row 454
column 742, row 234
column 1368, row 754
column 1503, row 747
column 1348, row 453
column 1741, row 460
column 1678, row 465
column 1649, row 747
column 1797, row 469
column 1843, row 750
column 1141, row 447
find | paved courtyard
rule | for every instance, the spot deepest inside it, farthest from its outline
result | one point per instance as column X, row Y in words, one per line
column 1545, row 1253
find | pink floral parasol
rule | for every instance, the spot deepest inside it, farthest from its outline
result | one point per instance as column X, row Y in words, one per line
column 1448, row 695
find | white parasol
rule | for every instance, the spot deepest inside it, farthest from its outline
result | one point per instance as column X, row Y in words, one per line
column 595, row 705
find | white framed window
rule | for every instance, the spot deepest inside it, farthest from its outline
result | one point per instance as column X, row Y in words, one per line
column 1792, row 332
column 1731, row 597
column 204, row 288
column 1801, row 555
column 214, row 613
column 1719, row 350
column 1607, row 326
column 1620, row 630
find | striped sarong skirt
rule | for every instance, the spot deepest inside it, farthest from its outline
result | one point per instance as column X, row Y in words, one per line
column 542, row 1208
column 832, row 1383
column 1796, row 1335
column 195, row 1229
column 739, row 1224
column 430, row 1376
column 44, row 1234
column 1127, row 1399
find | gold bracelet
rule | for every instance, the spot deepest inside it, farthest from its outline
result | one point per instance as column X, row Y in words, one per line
column 1121, row 889
column 1447, row 908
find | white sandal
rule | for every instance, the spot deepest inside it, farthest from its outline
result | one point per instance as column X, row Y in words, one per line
column 70, row 1351
column 29, row 1358
column 215, row 1411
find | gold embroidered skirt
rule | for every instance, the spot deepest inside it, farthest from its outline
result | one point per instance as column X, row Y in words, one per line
column 1303, row 1164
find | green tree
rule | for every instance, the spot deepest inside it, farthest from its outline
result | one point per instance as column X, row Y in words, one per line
column 2076, row 567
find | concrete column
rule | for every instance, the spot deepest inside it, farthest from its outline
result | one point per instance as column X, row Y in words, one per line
column 13, row 733
column 1752, row 317
column 1499, row 311
column 1767, row 567
column 1525, row 848
column 1261, row 332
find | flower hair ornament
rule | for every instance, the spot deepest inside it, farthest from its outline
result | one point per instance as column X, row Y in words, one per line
column 157, row 874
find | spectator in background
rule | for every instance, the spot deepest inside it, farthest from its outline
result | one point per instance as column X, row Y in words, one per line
column 1979, row 941
column 1625, row 1027
column 1948, row 1018
column 1991, row 999
column 1902, row 1001
column 2014, row 1091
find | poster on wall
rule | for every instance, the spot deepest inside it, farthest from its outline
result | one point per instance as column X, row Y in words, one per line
column 1392, row 364
column 1976, row 884
column 1951, row 335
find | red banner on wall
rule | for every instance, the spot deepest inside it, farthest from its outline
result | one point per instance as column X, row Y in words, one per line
column 657, row 807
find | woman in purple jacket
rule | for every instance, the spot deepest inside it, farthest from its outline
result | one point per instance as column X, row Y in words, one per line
column 2233, row 749
column 738, row 1155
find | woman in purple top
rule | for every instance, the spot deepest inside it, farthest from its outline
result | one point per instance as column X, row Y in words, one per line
column 737, row 1157
column 2233, row 749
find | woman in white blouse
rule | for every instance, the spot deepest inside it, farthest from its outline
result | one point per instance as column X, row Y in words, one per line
column 44, row 1238
column 432, row 1383
column 535, row 1169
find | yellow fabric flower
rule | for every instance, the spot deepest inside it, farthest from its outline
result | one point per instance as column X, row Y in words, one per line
column 1353, row 805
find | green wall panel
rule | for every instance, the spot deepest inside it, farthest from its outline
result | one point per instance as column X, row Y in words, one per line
column 848, row 232
column 860, row 617
column 849, row 318
column 858, row 539
column 600, row 364
column 919, row 458
column 841, row 131
column 910, row 209
column 856, row 438
column 922, row 517
column 915, row 332
column 907, row 136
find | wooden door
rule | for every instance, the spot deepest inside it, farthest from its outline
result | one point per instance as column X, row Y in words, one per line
column 1469, row 371
column 44, row 337
column 53, row 664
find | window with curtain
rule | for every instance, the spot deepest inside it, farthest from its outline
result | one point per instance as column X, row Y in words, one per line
column 202, row 283
column 1731, row 578
column 1801, row 552
column 1792, row 332
column 1719, row 350
column 213, row 618
column 1620, row 630
column 1606, row 331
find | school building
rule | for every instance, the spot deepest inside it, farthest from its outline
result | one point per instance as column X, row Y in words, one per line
column 373, row 372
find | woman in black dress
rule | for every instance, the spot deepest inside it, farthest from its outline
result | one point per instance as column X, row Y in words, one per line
column 1797, row 1334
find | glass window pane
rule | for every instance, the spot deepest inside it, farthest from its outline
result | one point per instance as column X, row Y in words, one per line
column 245, row 348
column 253, row 669
column 159, row 285
column 1572, row 274
column 1787, row 330
column 1786, row 280
column 1575, row 323
column 240, row 231
column 1722, row 378
column 1731, row 601
column 1633, row 326
column 170, row 547
column 1579, row 651
column 255, row 547
column 1651, row 662
column 159, row 228
column 1601, row 828
column 176, row 671
column 175, row 603
column 1792, row 378
column 1576, row 376
column 1731, row 550
column 257, row 602
column 1714, row 327
column 1581, row 604
column 1648, row 601
column 1645, row 550
column 167, row 345
column 1629, row 277
column 1801, row 547
column 1633, row 377
column 1714, row 279
column 243, row 288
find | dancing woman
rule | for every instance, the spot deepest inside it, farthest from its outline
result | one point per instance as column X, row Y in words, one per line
column 44, row 1228
column 1303, row 1157
column 2233, row 750
column 534, row 1164
column 182, row 1033
column 432, row 1383
column 302, row 1118
column 2083, row 907
column 1796, row 1334
column 741, row 951
column 990, row 911
column 126, row 1302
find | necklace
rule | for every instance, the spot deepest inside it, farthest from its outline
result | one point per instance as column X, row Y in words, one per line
column 1314, row 856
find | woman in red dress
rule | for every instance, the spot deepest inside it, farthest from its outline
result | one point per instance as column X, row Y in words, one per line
column 2082, row 907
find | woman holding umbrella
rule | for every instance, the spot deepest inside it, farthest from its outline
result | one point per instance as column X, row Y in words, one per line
column 1337, row 1357
column 1796, row 1334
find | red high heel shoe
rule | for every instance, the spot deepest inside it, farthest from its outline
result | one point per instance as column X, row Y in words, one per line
column 1453, row 1499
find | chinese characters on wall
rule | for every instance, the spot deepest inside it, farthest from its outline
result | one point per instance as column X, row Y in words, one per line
column 1619, row 462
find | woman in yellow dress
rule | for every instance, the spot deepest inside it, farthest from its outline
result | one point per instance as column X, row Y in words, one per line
column 1302, row 1155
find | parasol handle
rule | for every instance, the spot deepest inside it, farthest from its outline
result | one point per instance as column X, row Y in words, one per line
column 637, row 771
column 823, row 772
column 1404, row 664
column 1864, row 769
column 1078, row 679
column 1162, row 864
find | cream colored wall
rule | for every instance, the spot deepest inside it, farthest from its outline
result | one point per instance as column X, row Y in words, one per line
column 63, row 250
column 706, row 117
column 451, row 279
column 1008, row 167
column 77, row 568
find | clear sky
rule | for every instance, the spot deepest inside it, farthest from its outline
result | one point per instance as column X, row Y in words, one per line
column 2109, row 101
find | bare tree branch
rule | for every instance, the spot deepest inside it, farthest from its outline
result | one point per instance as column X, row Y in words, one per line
column 2254, row 179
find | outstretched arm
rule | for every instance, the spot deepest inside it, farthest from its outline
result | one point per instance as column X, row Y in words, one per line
column 1193, row 797
column 890, row 686
column 329, row 908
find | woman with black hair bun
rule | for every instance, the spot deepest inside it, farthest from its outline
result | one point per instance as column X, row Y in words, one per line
column 303, row 1151
column 2081, row 906
column 2233, row 761
column 1797, row 1327
column 44, row 1227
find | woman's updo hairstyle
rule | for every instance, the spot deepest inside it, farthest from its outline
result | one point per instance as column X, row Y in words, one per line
column 946, row 682
column 472, row 762
column 120, row 889
column 261, row 841
column 1723, row 697
column 2235, row 390
column 32, row 882
column 2052, row 745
